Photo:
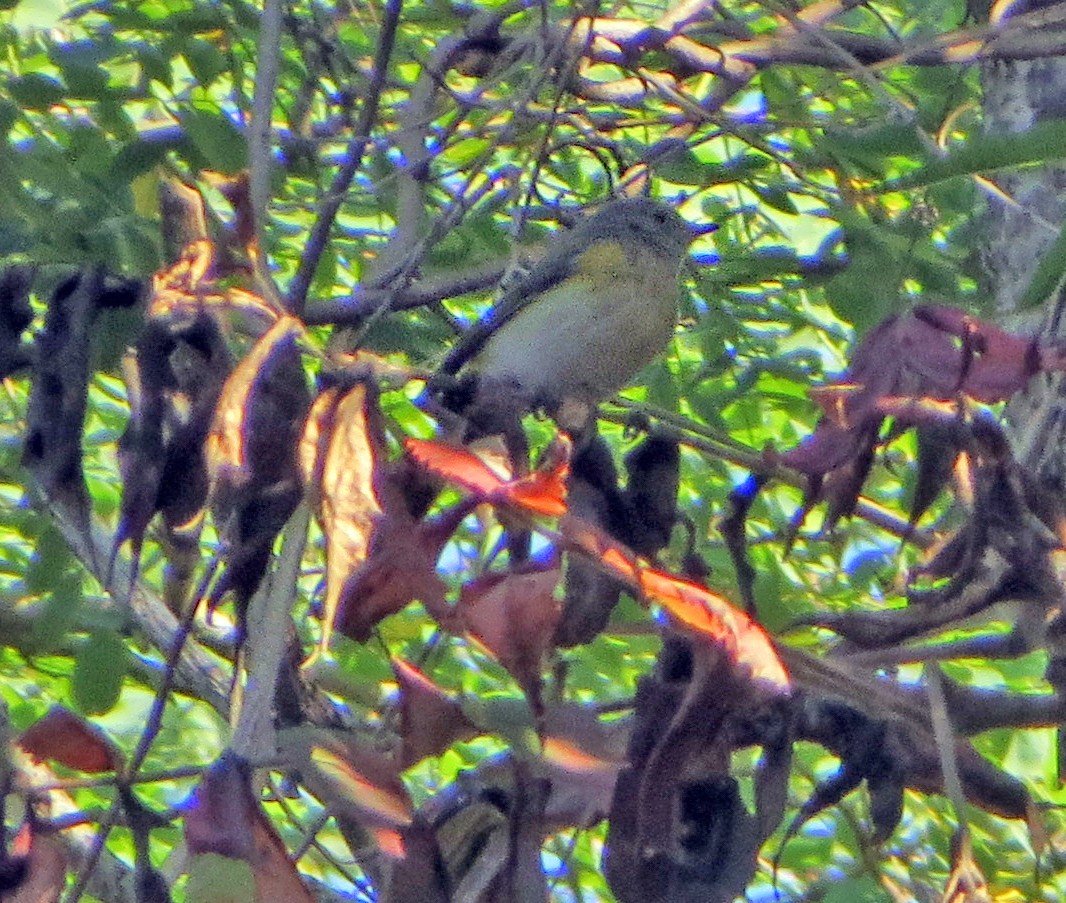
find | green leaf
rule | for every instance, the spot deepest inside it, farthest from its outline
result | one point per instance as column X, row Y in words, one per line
column 1049, row 273
column 154, row 64
column 214, row 878
column 216, row 140
column 508, row 717
column 1043, row 143
column 863, row 889
column 8, row 114
column 685, row 168
column 36, row 91
column 205, row 61
column 99, row 671
column 872, row 147
column 137, row 157
column 465, row 151
column 778, row 198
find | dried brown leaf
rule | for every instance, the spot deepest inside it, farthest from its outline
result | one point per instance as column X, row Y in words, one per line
column 223, row 816
column 56, row 410
column 401, row 567
column 251, row 452
column 430, row 720
column 514, row 615
column 343, row 446
column 63, row 737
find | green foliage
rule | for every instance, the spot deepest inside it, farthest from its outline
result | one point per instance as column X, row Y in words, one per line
column 842, row 194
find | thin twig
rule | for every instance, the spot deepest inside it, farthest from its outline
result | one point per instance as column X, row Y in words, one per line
column 260, row 133
column 353, row 160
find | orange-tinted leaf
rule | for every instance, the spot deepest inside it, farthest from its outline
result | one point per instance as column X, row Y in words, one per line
column 457, row 465
column 188, row 283
column 66, row 738
column 709, row 616
column 514, row 616
column 430, row 720
column 342, row 446
column 378, row 803
column 542, row 492
column 223, row 816
column 582, row 536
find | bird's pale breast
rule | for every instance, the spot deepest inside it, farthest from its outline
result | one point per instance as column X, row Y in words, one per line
column 587, row 348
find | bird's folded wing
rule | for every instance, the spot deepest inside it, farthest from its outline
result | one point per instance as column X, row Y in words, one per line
column 556, row 266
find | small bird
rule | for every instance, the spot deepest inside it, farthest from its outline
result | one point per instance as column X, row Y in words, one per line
column 599, row 306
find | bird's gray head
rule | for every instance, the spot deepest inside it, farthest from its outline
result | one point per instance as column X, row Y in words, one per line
column 644, row 222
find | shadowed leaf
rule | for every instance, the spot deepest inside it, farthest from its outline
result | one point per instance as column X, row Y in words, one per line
column 514, row 616
column 430, row 720
column 224, row 817
column 66, row 738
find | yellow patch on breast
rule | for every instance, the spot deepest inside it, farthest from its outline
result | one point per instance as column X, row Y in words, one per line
column 602, row 263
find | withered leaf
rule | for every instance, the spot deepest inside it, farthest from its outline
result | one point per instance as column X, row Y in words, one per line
column 342, row 447
column 938, row 449
column 251, row 452
column 402, row 564
column 653, row 477
column 514, row 615
column 430, row 720
column 15, row 316
column 173, row 379
column 591, row 593
column 61, row 736
column 224, row 817
column 183, row 216
column 56, row 410
column 359, row 782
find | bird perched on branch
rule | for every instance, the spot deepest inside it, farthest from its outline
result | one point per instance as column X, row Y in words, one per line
column 599, row 306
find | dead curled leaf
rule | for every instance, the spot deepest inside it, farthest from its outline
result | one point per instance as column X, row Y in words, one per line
column 401, row 566
column 514, row 616
column 63, row 737
column 174, row 376
column 487, row 604
column 907, row 366
column 223, row 816
column 56, row 409
column 251, row 452
column 430, row 719
column 341, row 451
